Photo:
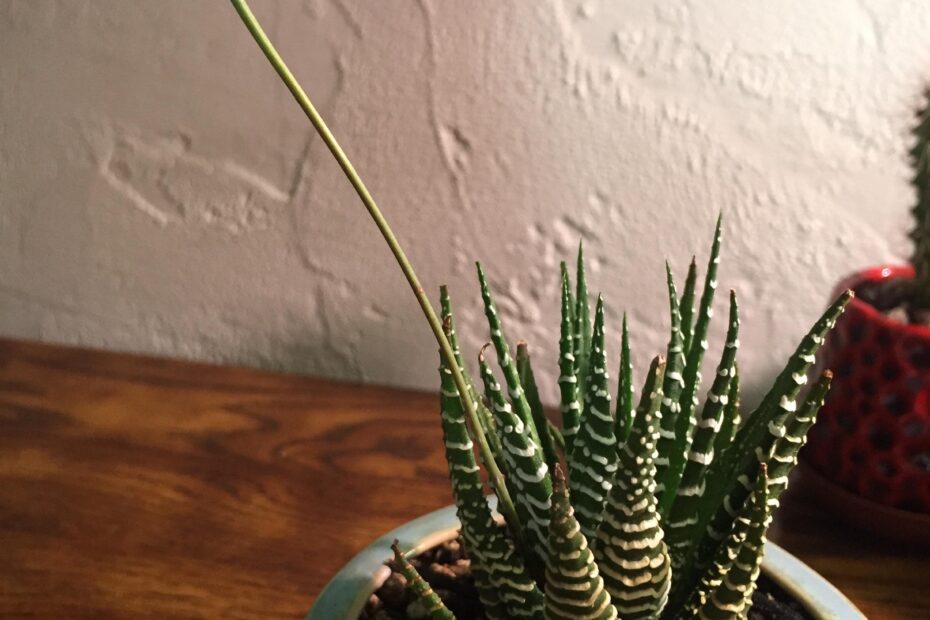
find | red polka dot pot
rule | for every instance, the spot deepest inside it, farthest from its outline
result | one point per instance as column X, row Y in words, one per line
column 872, row 437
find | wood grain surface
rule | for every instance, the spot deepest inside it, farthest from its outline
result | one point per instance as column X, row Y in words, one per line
column 147, row 488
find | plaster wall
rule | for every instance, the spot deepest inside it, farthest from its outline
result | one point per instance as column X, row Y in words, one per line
column 160, row 192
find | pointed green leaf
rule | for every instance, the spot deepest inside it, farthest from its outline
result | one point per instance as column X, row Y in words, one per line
column 765, row 425
column 753, row 443
column 570, row 404
column 527, row 474
column 511, row 377
column 485, row 417
column 582, row 330
column 730, row 595
column 574, row 587
column 630, row 550
column 673, row 385
column 528, row 380
column 785, row 455
column 428, row 600
column 684, row 421
column 485, row 541
column 624, row 414
column 687, row 305
column 683, row 513
column 594, row 457
column 731, row 417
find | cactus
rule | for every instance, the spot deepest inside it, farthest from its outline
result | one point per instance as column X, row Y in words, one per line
column 667, row 507
column 920, row 234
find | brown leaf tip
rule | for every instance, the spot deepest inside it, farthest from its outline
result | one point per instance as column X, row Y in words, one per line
column 558, row 476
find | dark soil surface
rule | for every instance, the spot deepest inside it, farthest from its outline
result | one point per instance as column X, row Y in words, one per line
column 446, row 568
column 892, row 297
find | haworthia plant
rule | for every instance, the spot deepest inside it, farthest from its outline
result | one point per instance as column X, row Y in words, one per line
column 702, row 561
column 654, row 564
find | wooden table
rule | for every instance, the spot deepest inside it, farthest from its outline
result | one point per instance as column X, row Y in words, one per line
column 148, row 488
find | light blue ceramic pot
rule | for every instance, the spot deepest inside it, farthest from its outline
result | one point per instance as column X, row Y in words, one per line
column 346, row 594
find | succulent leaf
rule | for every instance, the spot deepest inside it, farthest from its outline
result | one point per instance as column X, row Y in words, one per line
column 765, row 425
column 485, row 417
column 570, row 405
column 753, row 444
column 684, row 421
column 625, row 390
column 687, row 305
column 511, row 377
column 672, row 388
column 630, row 550
column 582, row 332
column 785, row 455
column 730, row 595
column 594, row 456
column 509, row 585
column 574, row 587
column 428, row 600
column 528, row 380
column 527, row 474
column 567, row 281
column 683, row 513
column 731, row 419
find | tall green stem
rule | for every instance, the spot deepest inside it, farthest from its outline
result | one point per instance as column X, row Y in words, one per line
column 497, row 479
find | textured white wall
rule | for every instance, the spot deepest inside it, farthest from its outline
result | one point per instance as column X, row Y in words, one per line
column 160, row 192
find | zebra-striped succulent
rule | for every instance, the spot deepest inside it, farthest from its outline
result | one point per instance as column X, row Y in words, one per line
column 665, row 509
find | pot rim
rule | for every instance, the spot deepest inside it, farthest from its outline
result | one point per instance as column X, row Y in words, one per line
column 346, row 593
column 878, row 273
